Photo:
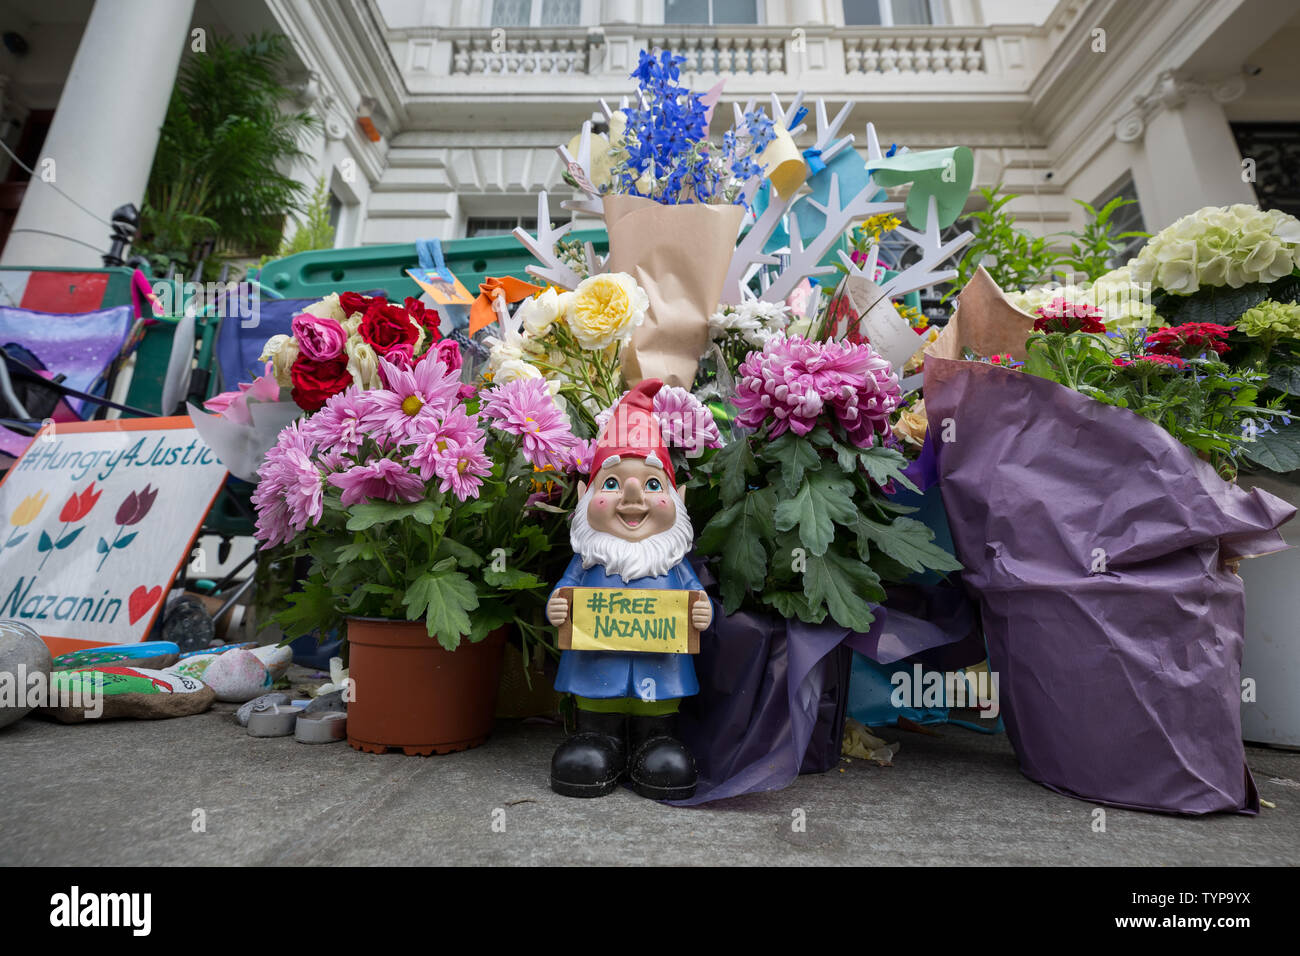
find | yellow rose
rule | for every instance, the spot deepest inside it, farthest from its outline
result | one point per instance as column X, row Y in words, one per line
column 911, row 424
column 28, row 509
column 363, row 363
column 605, row 309
column 282, row 352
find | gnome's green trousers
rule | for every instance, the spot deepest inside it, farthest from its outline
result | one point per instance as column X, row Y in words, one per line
column 632, row 706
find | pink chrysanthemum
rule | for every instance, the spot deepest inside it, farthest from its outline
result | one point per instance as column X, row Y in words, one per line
column 414, row 400
column 683, row 420
column 524, row 407
column 289, row 493
column 382, row 479
column 462, row 468
column 456, row 428
column 790, row 383
column 338, row 426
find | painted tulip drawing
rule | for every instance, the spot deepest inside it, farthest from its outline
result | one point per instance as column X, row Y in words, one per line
column 24, row 515
column 74, row 509
column 130, row 512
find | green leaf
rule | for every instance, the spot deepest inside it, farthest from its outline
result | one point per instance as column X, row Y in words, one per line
column 488, row 618
column 1278, row 450
column 465, row 556
column 125, row 540
column 823, row 499
column 511, row 579
column 1285, row 378
column 739, row 534
column 734, row 464
column 883, row 465
column 795, row 455
column 907, row 541
column 846, row 586
column 44, row 543
column 359, row 548
column 444, row 599
column 792, row 604
column 367, row 514
column 310, row 608
column 68, row 538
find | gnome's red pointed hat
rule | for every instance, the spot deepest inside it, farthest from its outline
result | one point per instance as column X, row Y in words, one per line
column 633, row 432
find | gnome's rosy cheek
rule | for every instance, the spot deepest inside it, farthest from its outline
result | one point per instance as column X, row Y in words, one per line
column 662, row 502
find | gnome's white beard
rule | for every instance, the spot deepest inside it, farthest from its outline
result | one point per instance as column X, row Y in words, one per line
column 630, row 560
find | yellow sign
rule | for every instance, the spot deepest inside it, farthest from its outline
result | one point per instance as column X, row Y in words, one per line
column 630, row 619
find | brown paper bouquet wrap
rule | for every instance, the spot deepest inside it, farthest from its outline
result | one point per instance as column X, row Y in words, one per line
column 679, row 255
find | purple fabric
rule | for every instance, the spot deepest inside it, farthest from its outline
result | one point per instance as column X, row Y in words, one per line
column 1118, row 685
column 81, row 346
column 769, row 691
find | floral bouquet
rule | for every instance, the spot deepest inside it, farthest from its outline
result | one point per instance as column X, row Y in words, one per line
column 1082, row 470
column 800, row 522
column 422, row 499
column 338, row 343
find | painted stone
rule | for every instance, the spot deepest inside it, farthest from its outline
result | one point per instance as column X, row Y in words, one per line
column 275, row 659
column 109, row 692
column 246, row 710
column 236, row 677
column 156, row 655
column 22, row 654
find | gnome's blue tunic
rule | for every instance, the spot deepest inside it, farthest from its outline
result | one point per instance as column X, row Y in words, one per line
column 605, row 674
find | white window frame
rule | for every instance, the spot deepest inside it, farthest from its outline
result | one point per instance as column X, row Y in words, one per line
column 586, row 14
column 760, row 16
column 886, row 8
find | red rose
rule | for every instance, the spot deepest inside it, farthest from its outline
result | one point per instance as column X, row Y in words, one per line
column 354, row 302
column 314, row 382
column 427, row 317
column 387, row 327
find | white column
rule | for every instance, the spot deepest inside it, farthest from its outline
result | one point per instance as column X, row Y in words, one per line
column 105, row 131
column 1192, row 161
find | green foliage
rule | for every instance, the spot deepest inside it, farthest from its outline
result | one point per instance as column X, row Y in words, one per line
column 315, row 231
column 1013, row 257
column 1016, row 259
column 1095, row 250
column 1209, row 406
column 218, row 172
column 797, row 525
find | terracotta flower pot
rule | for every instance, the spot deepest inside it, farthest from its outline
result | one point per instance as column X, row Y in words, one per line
column 413, row 695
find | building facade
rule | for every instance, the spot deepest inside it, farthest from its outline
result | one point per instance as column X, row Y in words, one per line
column 440, row 118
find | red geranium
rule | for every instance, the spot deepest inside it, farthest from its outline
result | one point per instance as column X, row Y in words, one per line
column 315, row 382
column 1189, row 340
column 1062, row 316
column 1173, row 361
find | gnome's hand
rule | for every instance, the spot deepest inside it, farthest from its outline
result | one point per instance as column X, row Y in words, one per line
column 702, row 613
column 557, row 610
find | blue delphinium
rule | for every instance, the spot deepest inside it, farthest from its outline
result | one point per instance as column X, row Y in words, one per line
column 667, row 137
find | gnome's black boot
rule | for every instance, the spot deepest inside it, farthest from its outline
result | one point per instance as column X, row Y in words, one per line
column 661, row 766
column 592, row 761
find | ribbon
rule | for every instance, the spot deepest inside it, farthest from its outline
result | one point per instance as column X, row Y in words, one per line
column 813, row 157
column 492, row 288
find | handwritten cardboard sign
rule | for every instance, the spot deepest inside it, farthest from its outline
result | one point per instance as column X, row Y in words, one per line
column 630, row 619
column 95, row 521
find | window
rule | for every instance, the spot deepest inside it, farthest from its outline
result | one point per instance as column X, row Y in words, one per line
column 1125, row 219
column 497, row 225
column 1275, row 148
column 711, row 11
column 535, row 13
column 892, row 13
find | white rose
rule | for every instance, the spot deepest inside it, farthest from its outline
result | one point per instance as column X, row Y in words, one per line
column 282, row 352
column 363, row 363
column 539, row 313
column 327, row 308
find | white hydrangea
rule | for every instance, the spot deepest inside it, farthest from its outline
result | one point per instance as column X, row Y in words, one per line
column 1218, row 246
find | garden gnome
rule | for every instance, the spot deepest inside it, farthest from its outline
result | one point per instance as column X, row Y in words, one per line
column 630, row 530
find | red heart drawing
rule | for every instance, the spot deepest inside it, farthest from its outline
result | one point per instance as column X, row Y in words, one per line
column 141, row 600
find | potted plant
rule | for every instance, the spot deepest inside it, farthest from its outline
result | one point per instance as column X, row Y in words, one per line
column 407, row 499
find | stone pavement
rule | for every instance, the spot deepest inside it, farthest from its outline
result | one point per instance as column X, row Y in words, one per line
column 127, row 792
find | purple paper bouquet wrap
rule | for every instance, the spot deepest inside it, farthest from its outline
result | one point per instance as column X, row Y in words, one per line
column 1095, row 542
